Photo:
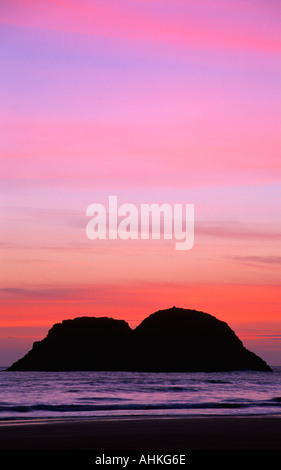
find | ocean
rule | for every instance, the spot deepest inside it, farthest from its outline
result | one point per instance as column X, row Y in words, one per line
column 81, row 395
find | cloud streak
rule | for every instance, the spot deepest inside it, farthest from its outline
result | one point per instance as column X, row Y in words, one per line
column 122, row 20
column 270, row 260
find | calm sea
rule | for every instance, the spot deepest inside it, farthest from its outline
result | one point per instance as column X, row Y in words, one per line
column 76, row 395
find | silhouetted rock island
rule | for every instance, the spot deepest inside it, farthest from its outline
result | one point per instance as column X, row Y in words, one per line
column 172, row 340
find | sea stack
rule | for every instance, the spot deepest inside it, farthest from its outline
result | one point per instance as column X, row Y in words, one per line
column 84, row 343
column 187, row 340
column 171, row 340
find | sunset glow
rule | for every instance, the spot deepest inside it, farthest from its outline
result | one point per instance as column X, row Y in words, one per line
column 155, row 102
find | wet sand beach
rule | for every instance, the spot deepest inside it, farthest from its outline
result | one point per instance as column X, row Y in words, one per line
column 187, row 433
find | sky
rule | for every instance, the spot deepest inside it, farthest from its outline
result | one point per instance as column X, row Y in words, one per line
column 153, row 101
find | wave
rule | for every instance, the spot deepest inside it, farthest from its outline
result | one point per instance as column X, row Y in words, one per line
column 215, row 381
column 172, row 388
column 64, row 408
column 102, row 399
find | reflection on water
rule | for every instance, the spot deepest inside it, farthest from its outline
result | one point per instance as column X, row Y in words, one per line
column 119, row 394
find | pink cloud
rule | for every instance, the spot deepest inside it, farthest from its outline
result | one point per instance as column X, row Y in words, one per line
column 110, row 155
column 120, row 19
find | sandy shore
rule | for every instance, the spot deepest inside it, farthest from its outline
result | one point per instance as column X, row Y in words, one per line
column 200, row 433
column 209, row 442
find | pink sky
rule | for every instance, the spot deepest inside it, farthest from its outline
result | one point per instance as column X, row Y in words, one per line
column 159, row 101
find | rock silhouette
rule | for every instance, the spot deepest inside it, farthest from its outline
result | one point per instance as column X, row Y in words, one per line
column 187, row 340
column 172, row 340
column 85, row 343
